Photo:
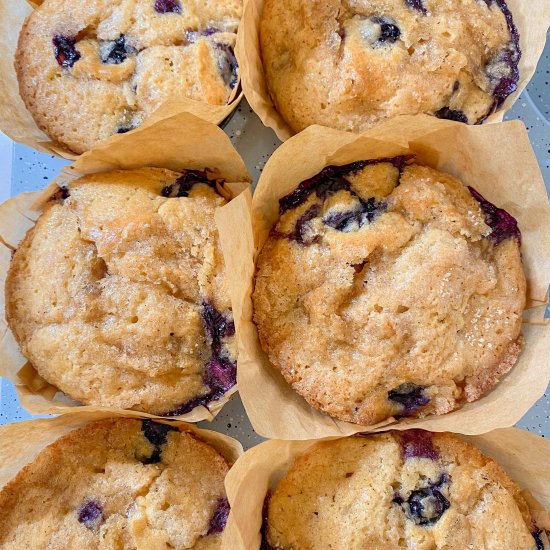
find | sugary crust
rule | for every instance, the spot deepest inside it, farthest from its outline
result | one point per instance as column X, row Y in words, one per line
column 164, row 56
column 168, row 503
column 107, row 293
column 350, row 64
column 419, row 295
column 345, row 494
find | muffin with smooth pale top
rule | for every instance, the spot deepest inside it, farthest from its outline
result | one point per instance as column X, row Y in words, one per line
column 94, row 68
column 123, row 484
column 351, row 64
column 390, row 289
column 397, row 490
column 117, row 296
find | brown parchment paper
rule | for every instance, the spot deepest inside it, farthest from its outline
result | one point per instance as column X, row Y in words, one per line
column 524, row 456
column 496, row 159
column 21, row 442
column 160, row 145
column 17, row 123
column 531, row 19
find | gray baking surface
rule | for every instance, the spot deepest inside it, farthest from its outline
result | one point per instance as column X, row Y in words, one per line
column 32, row 170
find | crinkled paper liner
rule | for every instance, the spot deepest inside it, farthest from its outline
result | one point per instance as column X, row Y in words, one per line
column 524, row 456
column 17, row 122
column 531, row 18
column 21, row 442
column 160, row 145
column 497, row 160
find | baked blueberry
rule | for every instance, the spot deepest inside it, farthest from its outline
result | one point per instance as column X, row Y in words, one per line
column 418, row 5
column 114, row 53
column 452, row 114
column 503, row 225
column 300, row 232
column 184, row 184
column 425, row 506
column 91, row 514
column 227, row 63
column 168, row 6
column 389, row 31
column 65, row 51
column 219, row 519
column 417, row 444
column 157, row 434
column 410, row 396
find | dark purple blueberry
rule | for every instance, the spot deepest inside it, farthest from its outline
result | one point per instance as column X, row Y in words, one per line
column 124, row 129
column 348, row 220
column 503, row 225
column 115, row 53
column 219, row 519
column 410, row 396
column 91, row 514
column 157, row 434
column 168, row 6
column 451, row 114
column 184, row 184
column 417, row 5
column 216, row 325
column 331, row 180
column 425, row 505
column 417, row 444
column 300, row 231
column 537, row 535
column 389, row 31
column 64, row 50
column 193, row 36
column 227, row 64
column 456, row 86
column 61, row 194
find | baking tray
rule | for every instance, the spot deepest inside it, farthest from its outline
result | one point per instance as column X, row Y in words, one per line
column 31, row 170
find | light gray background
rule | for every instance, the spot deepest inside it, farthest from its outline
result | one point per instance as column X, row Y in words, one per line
column 23, row 169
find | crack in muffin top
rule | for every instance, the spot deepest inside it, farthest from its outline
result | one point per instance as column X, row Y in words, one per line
column 90, row 69
column 115, row 293
column 350, row 64
column 387, row 288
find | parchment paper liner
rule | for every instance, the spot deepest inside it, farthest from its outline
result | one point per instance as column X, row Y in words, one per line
column 158, row 145
column 524, row 456
column 22, row 441
column 497, row 160
column 531, row 19
column 17, row 122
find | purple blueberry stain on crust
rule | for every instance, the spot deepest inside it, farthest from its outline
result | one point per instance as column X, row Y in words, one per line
column 183, row 185
column 219, row 519
column 347, row 220
column 157, row 434
column 410, row 396
column 537, row 535
column 216, row 325
column 168, row 6
column 116, row 52
column 91, row 514
column 417, row 444
column 504, row 226
column 300, row 231
column 65, row 51
column 451, row 114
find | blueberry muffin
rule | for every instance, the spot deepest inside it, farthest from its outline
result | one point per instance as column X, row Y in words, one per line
column 390, row 289
column 350, row 64
column 398, row 490
column 93, row 68
column 123, row 484
column 118, row 297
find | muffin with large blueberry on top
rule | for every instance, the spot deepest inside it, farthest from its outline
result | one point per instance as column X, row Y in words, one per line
column 122, row 484
column 398, row 490
column 118, row 297
column 350, row 64
column 390, row 289
column 93, row 68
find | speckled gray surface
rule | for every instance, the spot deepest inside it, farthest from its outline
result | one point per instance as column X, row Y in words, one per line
column 32, row 170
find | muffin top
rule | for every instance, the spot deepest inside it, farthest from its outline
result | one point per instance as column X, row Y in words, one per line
column 118, row 297
column 118, row 484
column 350, row 64
column 93, row 68
column 398, row 490
column 389, row 289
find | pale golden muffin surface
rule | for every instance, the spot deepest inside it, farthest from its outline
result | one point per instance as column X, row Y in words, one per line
column 398, row 490
column 390, row 289
column 93, row 68
column 123, row 484
column 118, row 297
column 350, row 64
